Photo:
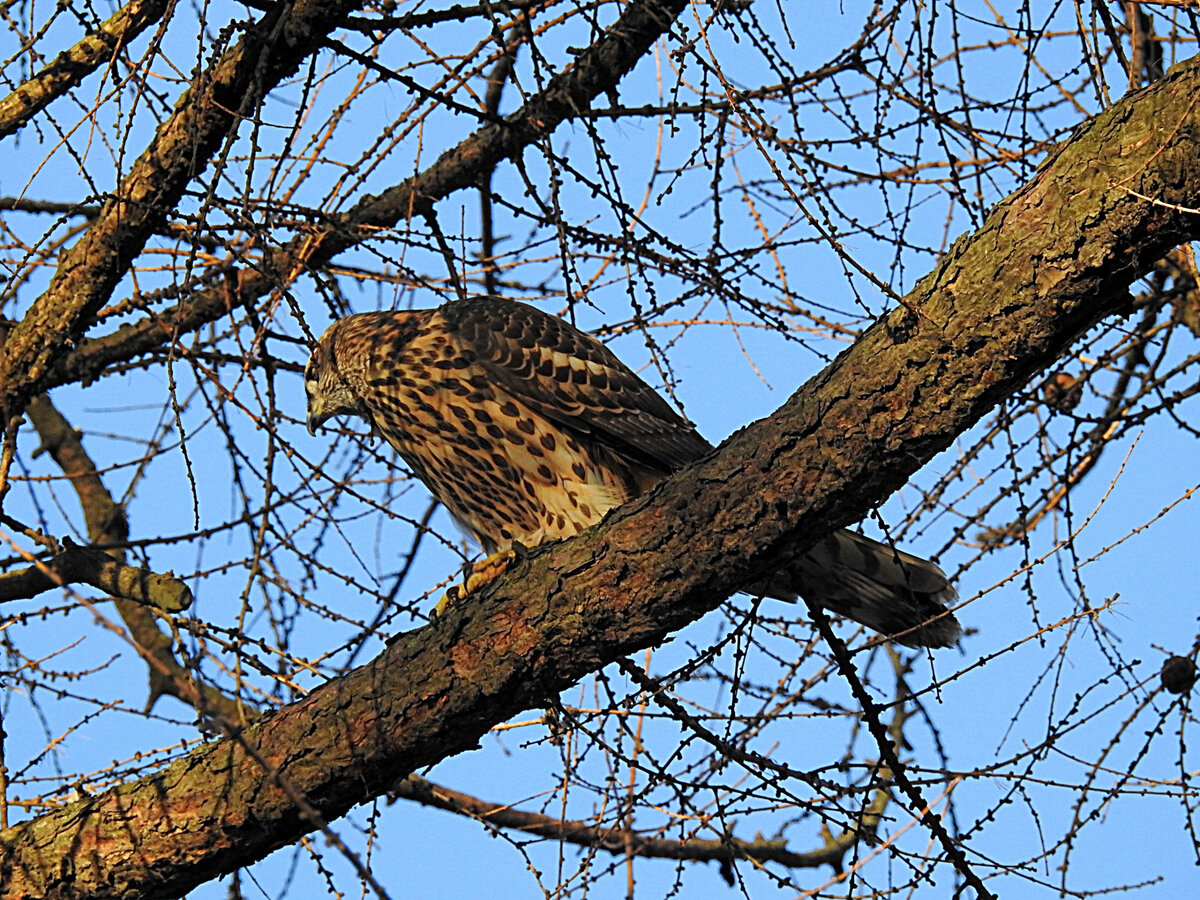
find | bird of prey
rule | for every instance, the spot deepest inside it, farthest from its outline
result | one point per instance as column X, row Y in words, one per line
column 529, row 430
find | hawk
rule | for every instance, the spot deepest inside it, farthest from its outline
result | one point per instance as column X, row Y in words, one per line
column 529, row 430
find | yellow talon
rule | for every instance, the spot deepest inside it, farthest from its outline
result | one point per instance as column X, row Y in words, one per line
column 488, row 569
column 481, row 572
column 447, row 597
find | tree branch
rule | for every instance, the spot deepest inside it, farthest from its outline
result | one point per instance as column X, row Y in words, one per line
column 83, row 564
column 619, row 842
column 106, row 524
column 207, row 115
column 1050, row 261
column 569, row 94
column 74, row 64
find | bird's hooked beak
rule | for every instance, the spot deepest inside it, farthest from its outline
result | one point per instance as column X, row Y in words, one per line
column 316, row 414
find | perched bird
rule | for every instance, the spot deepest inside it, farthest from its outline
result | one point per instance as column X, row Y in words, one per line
column 529, row 430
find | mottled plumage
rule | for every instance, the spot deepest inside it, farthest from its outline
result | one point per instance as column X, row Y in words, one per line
column 529, row 430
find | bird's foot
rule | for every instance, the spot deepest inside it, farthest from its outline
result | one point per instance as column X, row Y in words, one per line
column 479, row 573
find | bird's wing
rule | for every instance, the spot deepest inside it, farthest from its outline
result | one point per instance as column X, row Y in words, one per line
column 573, row 380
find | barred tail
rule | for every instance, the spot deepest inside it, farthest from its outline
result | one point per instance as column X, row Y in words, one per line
column 888, row 590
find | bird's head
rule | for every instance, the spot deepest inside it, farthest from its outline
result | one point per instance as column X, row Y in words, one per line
column 330, row 387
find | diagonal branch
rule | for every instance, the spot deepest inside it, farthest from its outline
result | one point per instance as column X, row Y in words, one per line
column 207, row 115
column 1050, row 261
column 569, row 94
column 75, row 63
column 106, row 525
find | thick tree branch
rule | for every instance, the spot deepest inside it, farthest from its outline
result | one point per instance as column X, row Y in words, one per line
column 206, row 116
column 1050, row 261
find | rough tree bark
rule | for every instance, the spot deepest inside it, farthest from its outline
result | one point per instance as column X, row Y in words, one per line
column 1051, row 260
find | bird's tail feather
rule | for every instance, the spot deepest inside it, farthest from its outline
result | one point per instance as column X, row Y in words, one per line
column 888, row 590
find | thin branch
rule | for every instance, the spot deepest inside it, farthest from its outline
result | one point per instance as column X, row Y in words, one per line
column 83, row 564
column 619, row 842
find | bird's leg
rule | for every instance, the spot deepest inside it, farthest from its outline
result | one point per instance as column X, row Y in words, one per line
column 478, row 574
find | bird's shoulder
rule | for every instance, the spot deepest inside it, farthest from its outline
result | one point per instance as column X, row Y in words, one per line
column 571, row 377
